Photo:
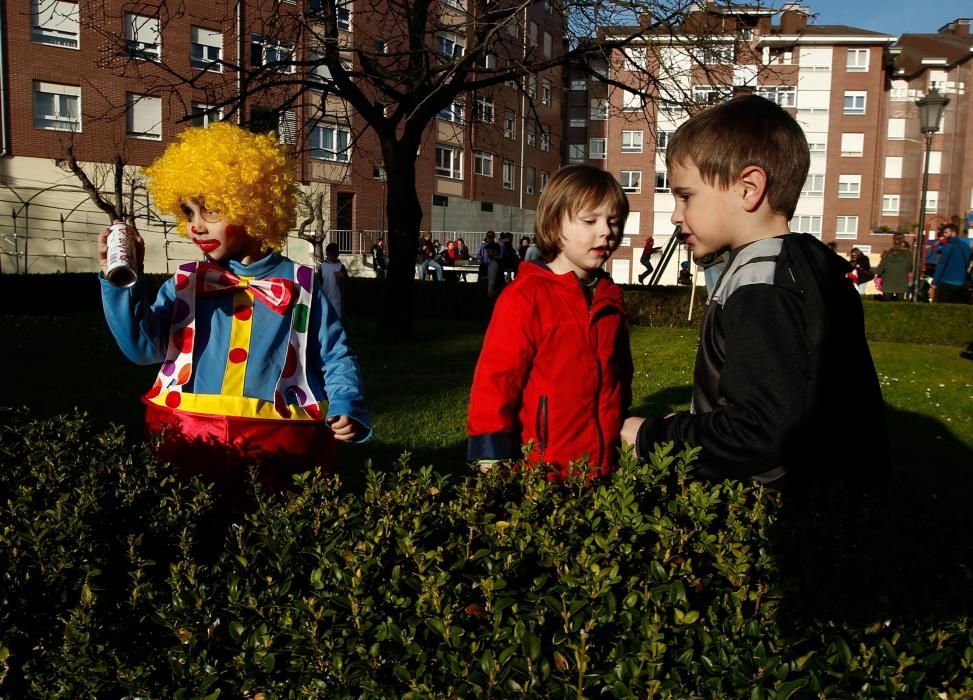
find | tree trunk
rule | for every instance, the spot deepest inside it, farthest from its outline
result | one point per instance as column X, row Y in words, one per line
column 404, row 220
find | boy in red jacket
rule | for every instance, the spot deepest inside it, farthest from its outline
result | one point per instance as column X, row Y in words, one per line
column 556, row 369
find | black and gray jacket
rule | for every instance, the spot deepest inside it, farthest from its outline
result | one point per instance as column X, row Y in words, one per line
column 782, row 340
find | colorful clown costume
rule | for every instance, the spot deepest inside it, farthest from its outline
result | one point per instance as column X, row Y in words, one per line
column 254, row 360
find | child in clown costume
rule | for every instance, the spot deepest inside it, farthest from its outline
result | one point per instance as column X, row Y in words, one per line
column 256, row 367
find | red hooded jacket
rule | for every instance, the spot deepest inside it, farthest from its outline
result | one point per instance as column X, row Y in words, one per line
column 554, row 371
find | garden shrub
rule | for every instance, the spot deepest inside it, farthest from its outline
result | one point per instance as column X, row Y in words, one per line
column 121, row 581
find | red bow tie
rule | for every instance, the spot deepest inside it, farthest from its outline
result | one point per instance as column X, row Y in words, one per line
column 275, row 292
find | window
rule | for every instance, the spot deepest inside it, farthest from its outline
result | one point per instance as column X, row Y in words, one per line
column 849, row 186
column 508, row 174
column 577, row 117
column 548, row 45
column 855, row 102
column 631, row 181
column 267, row 51
column 813, row 186
column 846, row 227
column 452, row 113
column 711, row 94
column 807, row 224
column 54, row 22
column 142, row 37
column 143, row 116
column 784, row 95
column 635, row 59
column 661, row 181
column 483, row 110
column 204, row 115
column 932, row 201
column 896, row 129
column 529, row 180
column 264, row 120
column 57, row 107
column 545, row 138
column 449, row 44
column 545, row 176
column 662, row 140
column 890, row 203
column 206, row 49
column 935, row 162
column 899, row 91
column 857, row 60
column 483, row 163
column 715, row 54
column 598, row 148
column 631, row 101
column 513, row 29
column 531, row 133
column 579, row 84
column 599, row 109
column 631, row 141
column 532, row 32
column 319, row 71
column 509, row 124
column 546, row 92
column 458, row 4
column 449, row 161
column 817, row 143
column 893, row 167
column 287, row 126
column 330, row 142
column 342, row 14
column 852, row 144
column 576, row 153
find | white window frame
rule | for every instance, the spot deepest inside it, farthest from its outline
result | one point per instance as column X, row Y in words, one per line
column 510, row 124
column 598, row 109
column 143, row 116
column 483, row 109
column 782, row 95
column 711, row 94
column 529, row 175
column 662, row 181
column 631, row 181
column 545, row 176
column 849, row 186
column 852, row 144
column 846, row 227
column 598, row 148
column 65, row 112
column 206, row 49
column 855, row 102
column 893, row 167
column 633, row 140
column 55, row 23
column 896, row 129
column 449, row 161
column 579, row 84
column 545, row 138
column 508, row 174
column 662, row 140
column 807, row 223
column 932, row 201
column 483, row 163
column 331, row 142
column 891, row 203
column 143, row 38
column 273, row 51
column 714, row 54
column 450, row 44
column 817, row 143
column 813, row 186
column 935, row 162
column 857, row 60
column 631, row 101
column 531, row 129
column 576, row 153
column 635, row 58
column 453, row 113
column 546, row 93
column 342, row 16
column 204, row 115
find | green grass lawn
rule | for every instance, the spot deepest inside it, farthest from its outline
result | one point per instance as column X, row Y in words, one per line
column 417, row 393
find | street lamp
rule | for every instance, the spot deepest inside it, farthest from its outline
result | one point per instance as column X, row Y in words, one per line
column 931, row 109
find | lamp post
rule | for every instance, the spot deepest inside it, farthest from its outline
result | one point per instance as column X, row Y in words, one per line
column 931, row 109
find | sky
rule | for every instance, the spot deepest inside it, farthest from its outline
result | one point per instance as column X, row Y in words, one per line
column 890, row 16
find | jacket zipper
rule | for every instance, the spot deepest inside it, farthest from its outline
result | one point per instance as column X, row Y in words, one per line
column 541, row 424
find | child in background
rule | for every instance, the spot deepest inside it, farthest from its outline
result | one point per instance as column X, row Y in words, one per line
column 256, row 367
column 555, row 369
column 333, row 276
column 784, row 328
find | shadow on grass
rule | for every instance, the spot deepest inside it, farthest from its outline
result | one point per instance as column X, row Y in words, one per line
column 903, row 555
column 664, row 401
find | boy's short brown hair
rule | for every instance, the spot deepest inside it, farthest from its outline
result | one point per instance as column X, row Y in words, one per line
column 571, row 189
column 724, row 139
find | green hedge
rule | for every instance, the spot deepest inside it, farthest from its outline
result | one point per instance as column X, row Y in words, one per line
column 119, row 581
column 925, row 324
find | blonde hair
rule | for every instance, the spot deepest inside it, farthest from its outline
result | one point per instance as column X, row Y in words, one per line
column 247, row 177
column 570, row 190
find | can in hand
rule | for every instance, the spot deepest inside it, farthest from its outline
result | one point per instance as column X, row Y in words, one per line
column 120, row 272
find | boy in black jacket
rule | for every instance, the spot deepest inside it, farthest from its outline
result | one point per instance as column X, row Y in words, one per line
column 783, row 371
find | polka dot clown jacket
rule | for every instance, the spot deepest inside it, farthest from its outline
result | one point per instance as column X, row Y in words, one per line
column 233, row 343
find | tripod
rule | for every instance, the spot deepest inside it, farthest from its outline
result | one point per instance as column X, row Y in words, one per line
column 674, row 240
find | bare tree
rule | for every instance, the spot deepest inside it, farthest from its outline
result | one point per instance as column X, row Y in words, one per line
column 387, row 68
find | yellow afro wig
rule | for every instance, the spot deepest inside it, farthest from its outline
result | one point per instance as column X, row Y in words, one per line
column 247, row 177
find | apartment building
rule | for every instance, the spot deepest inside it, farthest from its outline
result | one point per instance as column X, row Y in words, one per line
column 69, row 80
